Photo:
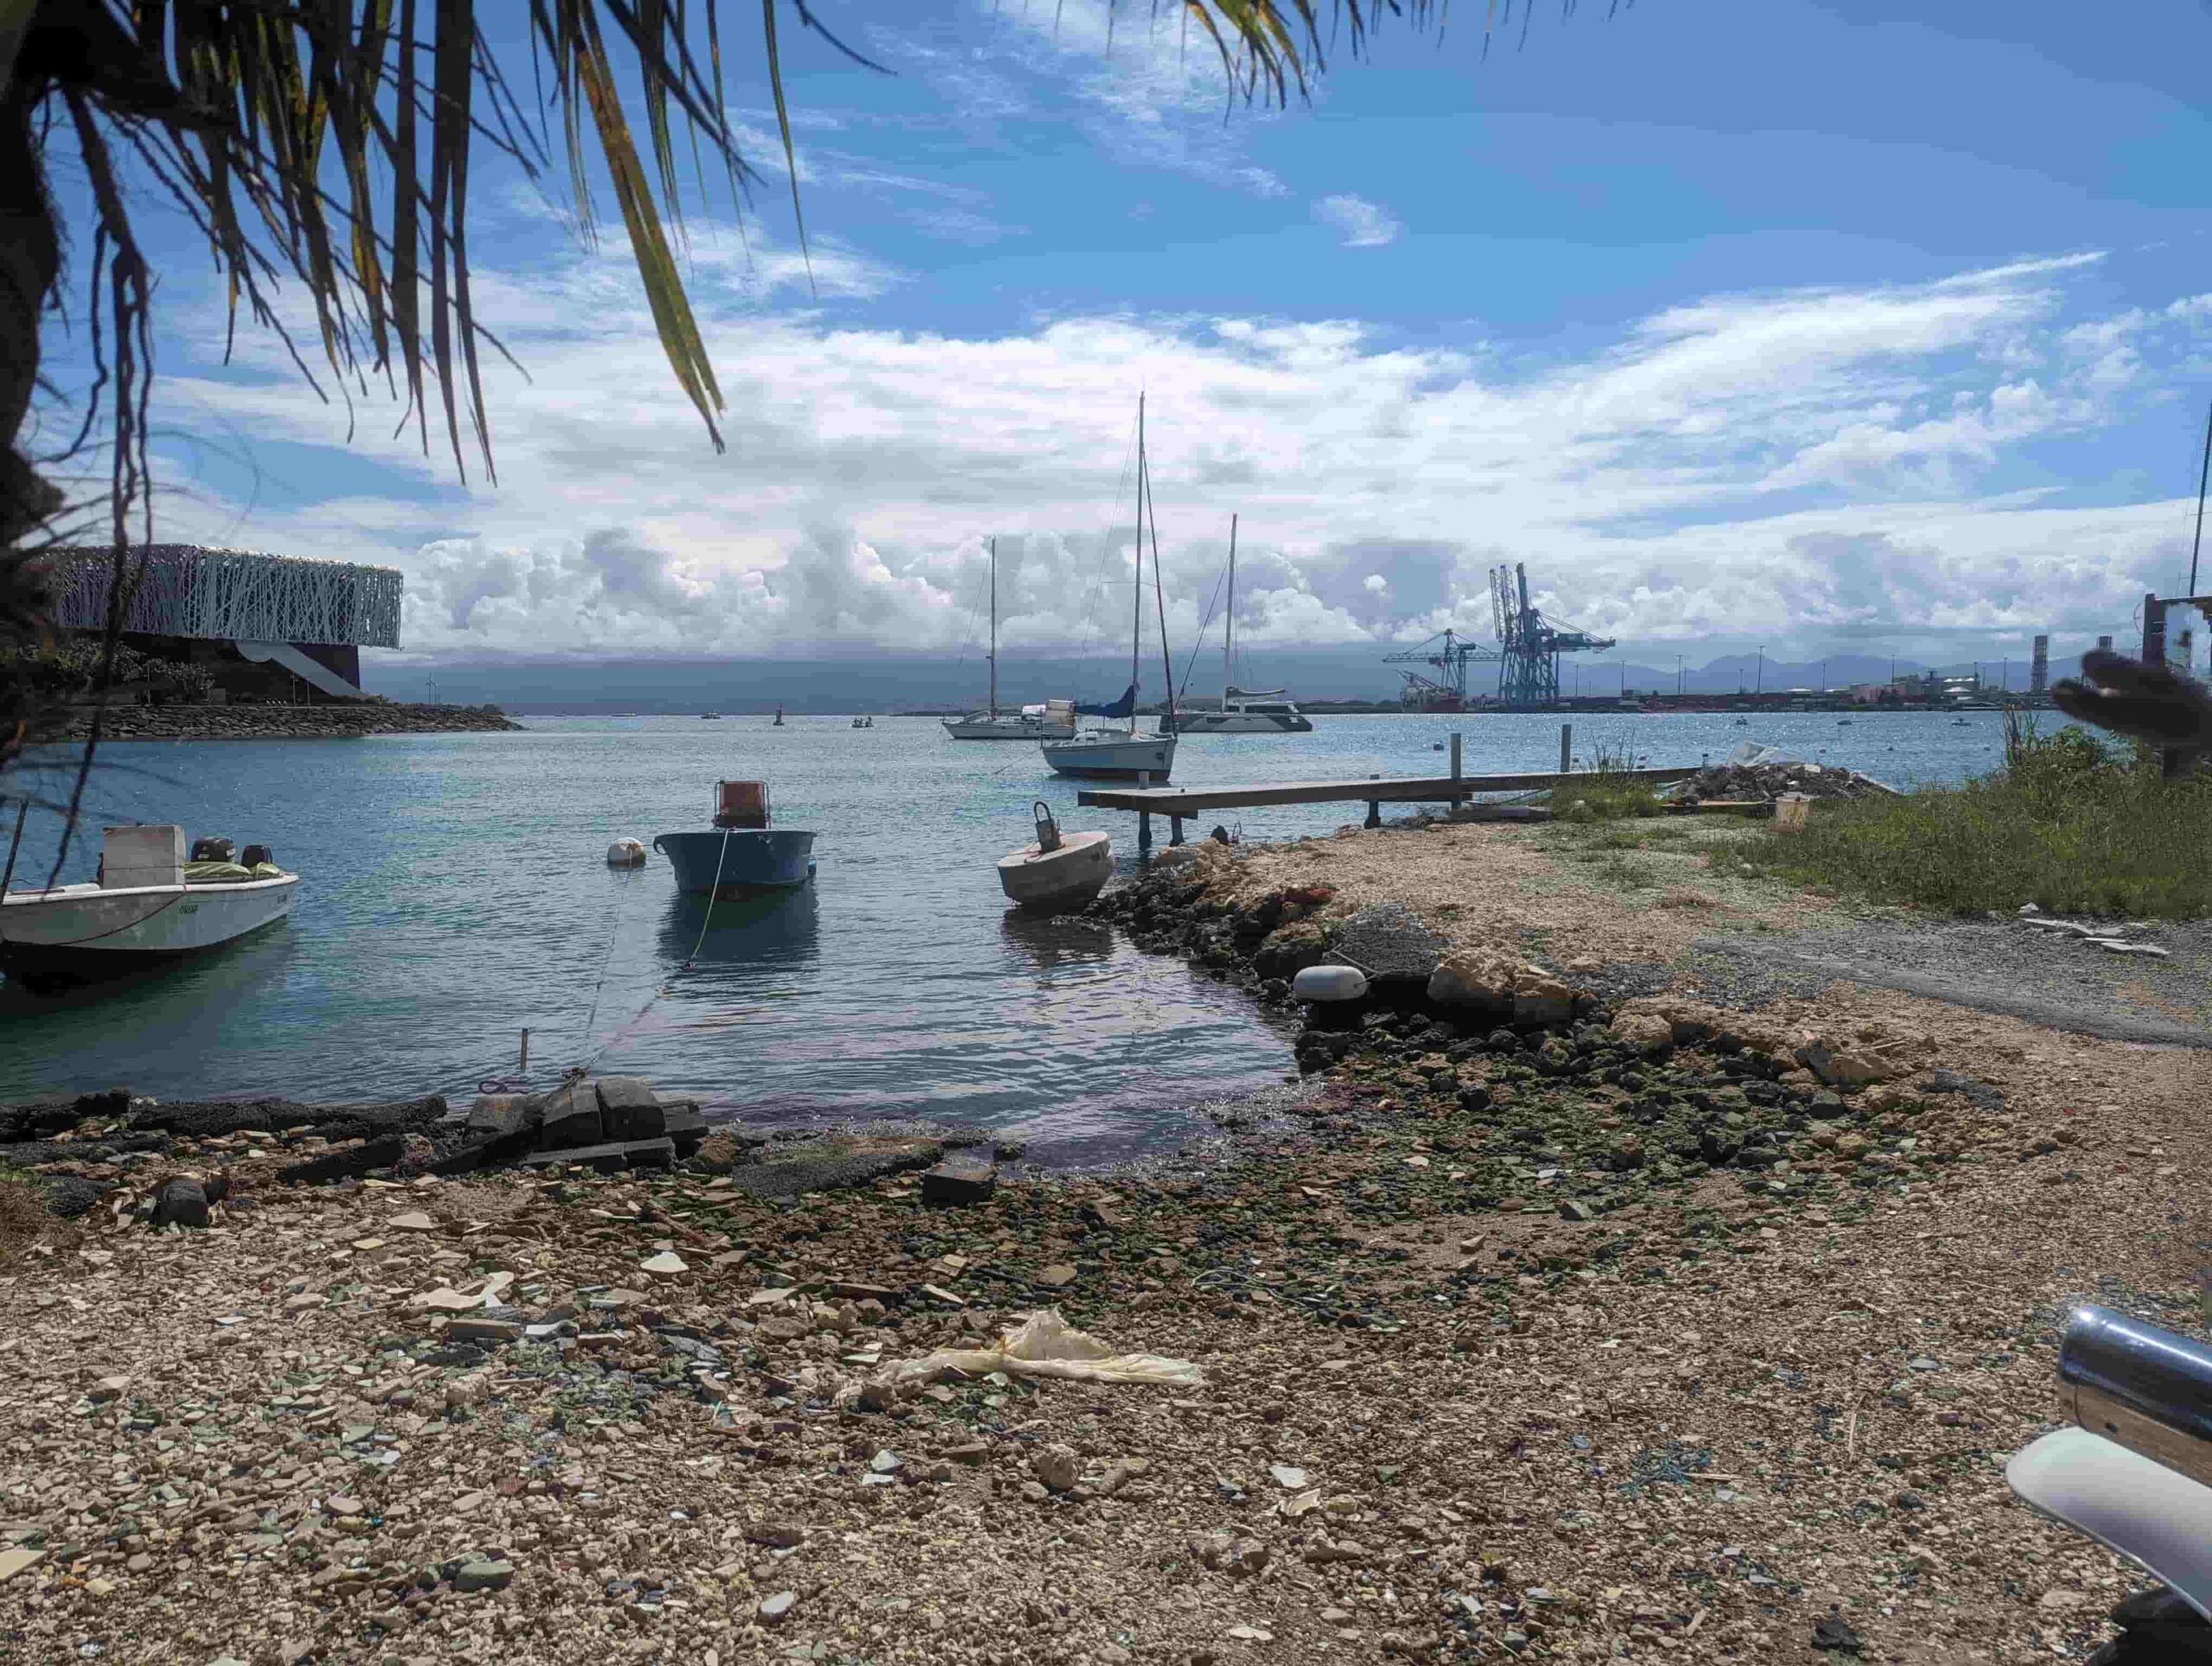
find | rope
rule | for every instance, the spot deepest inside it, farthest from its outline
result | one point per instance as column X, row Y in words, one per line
column 722, row 857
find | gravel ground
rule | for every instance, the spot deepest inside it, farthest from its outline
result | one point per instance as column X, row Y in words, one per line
column 1475, row 1383
column 1696, row 1425
column 1999, row 966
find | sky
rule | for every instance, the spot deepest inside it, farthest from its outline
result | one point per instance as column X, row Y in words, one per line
column 1818, row 328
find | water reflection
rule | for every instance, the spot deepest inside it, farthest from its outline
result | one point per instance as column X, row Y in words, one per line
column 779, row 933
column 1046, row 944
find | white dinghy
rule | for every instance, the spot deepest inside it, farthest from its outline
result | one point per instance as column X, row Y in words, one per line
column 1060, row 873
column 148, row 902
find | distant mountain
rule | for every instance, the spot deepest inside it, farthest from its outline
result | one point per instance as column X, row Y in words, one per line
column 887, row 682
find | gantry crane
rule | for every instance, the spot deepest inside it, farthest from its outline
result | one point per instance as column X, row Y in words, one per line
column 1528, row 648
column 1449, row 652
column 1528, row 677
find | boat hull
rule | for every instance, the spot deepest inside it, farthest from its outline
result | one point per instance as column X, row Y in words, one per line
column 740, row 863
column 84, row 927
column 1118, row 758
column 1061, row 879
column 1243, row 722
column 1005, row 729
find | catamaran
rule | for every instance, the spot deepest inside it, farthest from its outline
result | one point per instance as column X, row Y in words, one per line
column 1115, row 754
column 1243, row 711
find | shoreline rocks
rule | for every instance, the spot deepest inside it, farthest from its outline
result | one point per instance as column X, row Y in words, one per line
column 262, row 723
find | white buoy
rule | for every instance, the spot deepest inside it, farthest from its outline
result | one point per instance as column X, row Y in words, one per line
column 1329, row 983
column 625, row 853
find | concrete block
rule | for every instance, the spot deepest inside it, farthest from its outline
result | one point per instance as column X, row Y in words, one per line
column 681, row 1121
column 610, row 1159
column 960, row 1179
column 498, row 1115
column 571, row 1118
column 628, row 1108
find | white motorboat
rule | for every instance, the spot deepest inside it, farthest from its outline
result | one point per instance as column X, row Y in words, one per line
column 1053, row 720
column 1061, row 872
column 148, row 902
column 1124, row 754
column 1243, row 711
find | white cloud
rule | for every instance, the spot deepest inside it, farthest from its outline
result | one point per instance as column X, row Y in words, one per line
column 1362, row 224
column 1827, row 460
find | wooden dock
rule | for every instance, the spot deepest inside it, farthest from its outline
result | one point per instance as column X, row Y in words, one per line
column 1178, row 804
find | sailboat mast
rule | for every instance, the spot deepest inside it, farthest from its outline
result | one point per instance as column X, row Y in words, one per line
column 2204, row 476
column 1228, row 619
column 1136, row 599
column 1160, row 598
column 994, row 655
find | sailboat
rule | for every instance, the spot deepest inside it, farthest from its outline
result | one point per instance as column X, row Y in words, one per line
column 1243, row 711
column 1053, row 720
column 1115, row 754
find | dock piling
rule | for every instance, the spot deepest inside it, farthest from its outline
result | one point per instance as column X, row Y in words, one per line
column 1144, row 834
column 1565, row 747
column 1455, row 754
column 1174, row 830
column 1375, row 812
column 524, row 1067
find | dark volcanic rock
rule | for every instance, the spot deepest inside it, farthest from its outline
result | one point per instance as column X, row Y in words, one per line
column 681, row 1122
column 68, row 1196
column 610, row 1159
column 180, row 1203
column 826, row 1165
column 345, row 1165
column 45, row 1117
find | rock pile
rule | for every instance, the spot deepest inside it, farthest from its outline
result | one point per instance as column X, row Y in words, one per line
column 284, row 722
column 1740, row 782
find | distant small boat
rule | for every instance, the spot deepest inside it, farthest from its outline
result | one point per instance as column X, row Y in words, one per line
column 708, row 717
column 864, row 722
column 741, row 858
column 1060, row 872
column 778, row 724
column 1961, row 723
column 148, row 902
column 1743, row 722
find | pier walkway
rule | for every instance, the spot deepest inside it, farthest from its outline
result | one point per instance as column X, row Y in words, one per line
column 1179, row 803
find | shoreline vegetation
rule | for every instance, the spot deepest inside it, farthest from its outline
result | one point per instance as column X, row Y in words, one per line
column 1602, row 1293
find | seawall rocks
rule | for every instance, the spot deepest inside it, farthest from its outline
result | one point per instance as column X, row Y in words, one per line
column 244, row 723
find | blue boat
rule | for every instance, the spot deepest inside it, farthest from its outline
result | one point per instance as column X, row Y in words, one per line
column 741, row 855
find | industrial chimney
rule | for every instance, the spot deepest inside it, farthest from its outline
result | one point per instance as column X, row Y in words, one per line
column 2039, row 667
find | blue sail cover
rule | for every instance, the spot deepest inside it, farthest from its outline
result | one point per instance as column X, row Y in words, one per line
column 1122, row 707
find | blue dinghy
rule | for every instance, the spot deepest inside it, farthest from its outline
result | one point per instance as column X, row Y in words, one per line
column 742, row 856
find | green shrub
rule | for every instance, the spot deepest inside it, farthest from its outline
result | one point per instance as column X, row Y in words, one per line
column 2070, row 822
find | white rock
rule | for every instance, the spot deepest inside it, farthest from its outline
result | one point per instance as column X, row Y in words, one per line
column 667, row 1263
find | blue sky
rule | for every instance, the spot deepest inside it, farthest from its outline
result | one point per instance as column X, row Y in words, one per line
column 1778, row 322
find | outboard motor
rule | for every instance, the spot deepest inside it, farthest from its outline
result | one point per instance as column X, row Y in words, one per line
column 2134, row 1471
column 1048, row 830
column 213, row 850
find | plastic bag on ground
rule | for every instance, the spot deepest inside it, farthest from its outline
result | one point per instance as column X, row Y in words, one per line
column 1046, row 1345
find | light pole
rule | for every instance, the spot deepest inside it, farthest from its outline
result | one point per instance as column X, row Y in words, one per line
column 1678, row 677
column 1759, row 687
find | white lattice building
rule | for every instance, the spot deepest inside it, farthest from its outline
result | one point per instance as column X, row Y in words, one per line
column 311, row 617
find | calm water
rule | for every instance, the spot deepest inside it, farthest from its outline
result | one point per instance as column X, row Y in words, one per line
column 454, row 892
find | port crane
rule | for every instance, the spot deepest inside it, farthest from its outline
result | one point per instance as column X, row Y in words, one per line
column 1447, row 653
column 1529, row 667
column 1528, row 651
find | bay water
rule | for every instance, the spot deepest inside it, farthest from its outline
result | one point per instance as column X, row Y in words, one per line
column 454, row 892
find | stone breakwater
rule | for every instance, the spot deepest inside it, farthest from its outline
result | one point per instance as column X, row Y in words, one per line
column 1582, row 1102
column 244, row 723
